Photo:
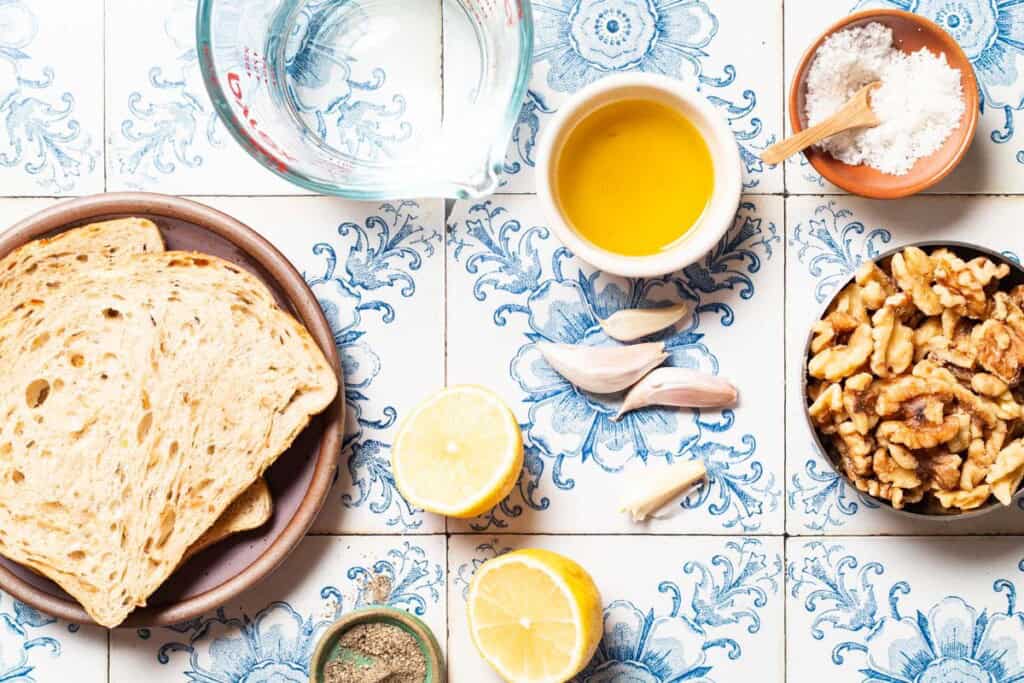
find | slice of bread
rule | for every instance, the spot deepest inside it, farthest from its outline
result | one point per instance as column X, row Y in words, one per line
column 144, row 397
column 41, row 264
column 249, row 511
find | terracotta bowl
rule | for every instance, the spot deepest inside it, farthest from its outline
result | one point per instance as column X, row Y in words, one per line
column 300, row 479
column 911, row 32
column 923, row 510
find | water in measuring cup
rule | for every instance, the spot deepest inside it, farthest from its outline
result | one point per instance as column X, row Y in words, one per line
column 376, row 80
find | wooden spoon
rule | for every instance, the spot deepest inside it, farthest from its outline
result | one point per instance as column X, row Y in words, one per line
column 856, row 113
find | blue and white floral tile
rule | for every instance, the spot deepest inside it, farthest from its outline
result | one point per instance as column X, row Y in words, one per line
column 828, row 238
column 511, row 284
column 35, row 647
column 270, row 632
column 992, row 35
column 51, row 110
column 728, row 50
column 675, row 608
column 163, row 133
column 377, row 270
column 905, row 610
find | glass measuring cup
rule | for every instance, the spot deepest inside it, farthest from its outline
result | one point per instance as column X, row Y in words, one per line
column 370, row 99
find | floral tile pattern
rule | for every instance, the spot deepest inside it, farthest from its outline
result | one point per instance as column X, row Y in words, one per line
column 697, row 609
column 35, row 647
column 858, row 612
column 827, row 239
column 511, row 285
column 51, row 121
column 992, row 35
column 254, row 639
column 705, row 43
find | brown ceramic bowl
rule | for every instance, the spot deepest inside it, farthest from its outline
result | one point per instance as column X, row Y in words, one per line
column 911, row 32
column 300, row 479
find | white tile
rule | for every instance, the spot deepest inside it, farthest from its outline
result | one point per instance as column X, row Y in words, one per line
column 511, row 284
column 270, row 632
column 827, row 240
column 377, row 271
column 708, row 45
column 990, row 34
column 904, row 609
column 676, row 608
column 51, row 117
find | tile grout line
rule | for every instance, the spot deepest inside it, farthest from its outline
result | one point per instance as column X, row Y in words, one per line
column 785, row 369
column 782, row 128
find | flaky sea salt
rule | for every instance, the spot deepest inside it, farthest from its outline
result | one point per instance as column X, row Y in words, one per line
column 920, row 102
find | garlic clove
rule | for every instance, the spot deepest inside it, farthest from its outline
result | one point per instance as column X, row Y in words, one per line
column 681, row 388
column 631, row 324
column 603, row 369
column 658, row 487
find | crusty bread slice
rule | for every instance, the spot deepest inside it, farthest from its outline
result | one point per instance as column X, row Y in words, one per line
column 249, row 511
column 39, row 265
column 42, row 263
column 143, row 398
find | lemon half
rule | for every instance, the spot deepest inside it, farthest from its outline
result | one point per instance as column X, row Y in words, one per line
column 459, row 453
column 535, row 616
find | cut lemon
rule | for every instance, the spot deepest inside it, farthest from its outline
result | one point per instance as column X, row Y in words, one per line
column 459, row 453
column 535, row 616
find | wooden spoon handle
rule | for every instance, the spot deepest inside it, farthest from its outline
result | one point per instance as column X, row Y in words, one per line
column 856, row 113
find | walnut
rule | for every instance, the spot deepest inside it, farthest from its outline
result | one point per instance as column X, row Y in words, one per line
column 987, row 411
column 912, row 270
column 895, row 393
column 1007, row 472
column 859, row 402
column 960, row 285
column 950, row 322
column 850, row 302
column 893, row 341
column 890, row 472
column 918, row 432
column 964, row 500
column 940, row 471
column 827, row 411
column 857, row 445
column 875, row 285
column 962, row 440
column 928, row 330
column 976, row 466
column 897, row 496
column 843, row 360
column 989, row 385
column 824, row 336
column 1000, row 350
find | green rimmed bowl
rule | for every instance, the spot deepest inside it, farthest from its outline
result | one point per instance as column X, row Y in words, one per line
column 329, row 649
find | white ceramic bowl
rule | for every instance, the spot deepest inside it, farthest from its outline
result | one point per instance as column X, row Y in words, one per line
column 725, row 198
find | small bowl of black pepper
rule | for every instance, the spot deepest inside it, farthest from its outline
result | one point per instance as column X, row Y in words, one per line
column 377, row 645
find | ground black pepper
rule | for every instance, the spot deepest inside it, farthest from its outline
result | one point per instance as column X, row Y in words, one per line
column 396, row 656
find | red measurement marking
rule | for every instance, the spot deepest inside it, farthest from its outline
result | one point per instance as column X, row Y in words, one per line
column 235, row 86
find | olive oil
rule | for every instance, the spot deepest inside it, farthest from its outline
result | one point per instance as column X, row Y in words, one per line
column 633, row 177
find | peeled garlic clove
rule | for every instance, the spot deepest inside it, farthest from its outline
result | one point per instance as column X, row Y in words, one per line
column 603, row 369
column 659, row 487
column 681, row 388
column 631, row 324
